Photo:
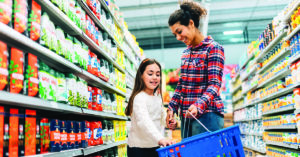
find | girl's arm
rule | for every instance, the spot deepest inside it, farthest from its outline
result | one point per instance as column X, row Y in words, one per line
column 215, row 67
column 143, row 118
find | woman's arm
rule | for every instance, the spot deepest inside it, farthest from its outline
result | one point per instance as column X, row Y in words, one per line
column 215, row 67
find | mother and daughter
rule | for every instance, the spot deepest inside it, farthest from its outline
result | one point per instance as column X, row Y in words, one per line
column 197, row 91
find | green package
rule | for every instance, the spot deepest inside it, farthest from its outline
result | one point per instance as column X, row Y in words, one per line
column 71, row 88
column 44, row 81
column 62, row 94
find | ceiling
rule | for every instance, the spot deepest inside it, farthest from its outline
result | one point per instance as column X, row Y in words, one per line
column 148, row 20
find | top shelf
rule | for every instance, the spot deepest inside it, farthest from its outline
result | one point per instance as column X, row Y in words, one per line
column 115, row 19
column 69, row 26
column 97, row 21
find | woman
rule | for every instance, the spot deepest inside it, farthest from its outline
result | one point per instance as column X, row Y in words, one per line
column 202, row 66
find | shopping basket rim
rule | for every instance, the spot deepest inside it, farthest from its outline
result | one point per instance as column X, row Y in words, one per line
column 206, row 135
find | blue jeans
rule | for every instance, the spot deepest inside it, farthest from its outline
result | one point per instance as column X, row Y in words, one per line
column 212, row 121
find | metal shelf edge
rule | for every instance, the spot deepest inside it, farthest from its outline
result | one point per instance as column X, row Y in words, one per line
column 289, row 14
column 279, row 110
column 94, row 149
column 282, row 144
column 284, row 52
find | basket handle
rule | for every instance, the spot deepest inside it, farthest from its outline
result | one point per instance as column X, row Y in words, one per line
column 195, row 119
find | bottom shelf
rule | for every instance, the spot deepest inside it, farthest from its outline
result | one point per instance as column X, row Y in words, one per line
column 81, row 151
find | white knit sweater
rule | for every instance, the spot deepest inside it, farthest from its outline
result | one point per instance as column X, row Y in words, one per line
column 147, row 121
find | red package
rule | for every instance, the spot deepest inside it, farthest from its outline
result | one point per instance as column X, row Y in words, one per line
column 45, row 135
column 16, row 70
column 13, row 133
column 6, row 13
column 30, row 132
column 97, row 99
column 88, row 26
column 34, row 20
column 20, row 15
column 3, row 65
column 94, row 128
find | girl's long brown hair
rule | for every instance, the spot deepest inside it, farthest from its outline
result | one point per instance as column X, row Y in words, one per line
column 139, row 84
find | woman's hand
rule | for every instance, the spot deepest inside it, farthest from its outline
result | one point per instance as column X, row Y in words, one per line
column 193, row 110
column 166, row 142
column 170, row 121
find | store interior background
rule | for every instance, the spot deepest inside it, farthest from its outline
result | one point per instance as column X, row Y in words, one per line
column 232, row 23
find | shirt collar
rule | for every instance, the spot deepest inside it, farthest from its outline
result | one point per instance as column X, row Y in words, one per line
column 206, row 41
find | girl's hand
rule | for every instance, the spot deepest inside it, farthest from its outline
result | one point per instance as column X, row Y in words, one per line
column 166, row 142
column 193, row 110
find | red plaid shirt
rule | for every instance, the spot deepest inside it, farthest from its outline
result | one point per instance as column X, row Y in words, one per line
column 200, row 80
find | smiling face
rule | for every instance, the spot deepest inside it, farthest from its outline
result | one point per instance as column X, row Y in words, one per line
column 184, row 33
column 151, row 77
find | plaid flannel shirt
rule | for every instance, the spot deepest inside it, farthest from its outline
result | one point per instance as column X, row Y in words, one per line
column 200, row 79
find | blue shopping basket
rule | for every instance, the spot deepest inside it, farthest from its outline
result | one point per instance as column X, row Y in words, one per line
column 222, row 143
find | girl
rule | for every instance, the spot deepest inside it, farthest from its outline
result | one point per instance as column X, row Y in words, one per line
column 201, row 74
column 146, row 110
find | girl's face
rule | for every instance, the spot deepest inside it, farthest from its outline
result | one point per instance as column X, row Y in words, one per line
column 151, row 77
column 184, row 33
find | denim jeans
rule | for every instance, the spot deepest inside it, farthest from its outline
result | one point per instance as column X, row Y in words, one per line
column 212, row 121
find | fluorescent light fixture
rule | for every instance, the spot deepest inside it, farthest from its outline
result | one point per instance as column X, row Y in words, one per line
column 233, row 32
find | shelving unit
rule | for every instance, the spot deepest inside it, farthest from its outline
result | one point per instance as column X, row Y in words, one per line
column 67, row 25
column 288, row 15
column 291, row 146
column 283, row 73
column 279, row 110
column 271, row 45
column 252, row 71
column 81, row 151
column 281, row 127
column 281, row 55
column 55, row 61
column 257, row 150
column 249, row 58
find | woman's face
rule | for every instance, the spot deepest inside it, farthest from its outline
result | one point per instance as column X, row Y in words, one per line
column 151, row 77
column 183, row 33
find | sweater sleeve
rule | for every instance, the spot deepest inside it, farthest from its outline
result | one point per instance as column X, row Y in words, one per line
column 143, row 118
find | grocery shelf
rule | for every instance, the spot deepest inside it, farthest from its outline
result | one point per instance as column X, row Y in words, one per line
column 280, row 56
column 37, row 103
column 284, row 72
column 252, row 71
column 295, row 31
column 279, row 110
column 66, row 153
column 280, row 93
column 294, row 59
column 250, row 89
column 18, row 40
column 235, row 101
column 97, row 21
column 288, row 15
column 249, row 58
column 249, row 119
column 246, row 105
column 129, row 86
column 279, row 127
column 115, row 19
column 237, row 76
column 241, row 107
column 297, row 111
column 81, row 151
column 58, row 17
column 271, row 45
column 102, row 114
column 251, row 134
column 281, row 144
column 236, row 89
column 94, row 149
column 255, row 149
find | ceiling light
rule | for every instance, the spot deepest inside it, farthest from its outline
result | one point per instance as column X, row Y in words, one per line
column 233, row 32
